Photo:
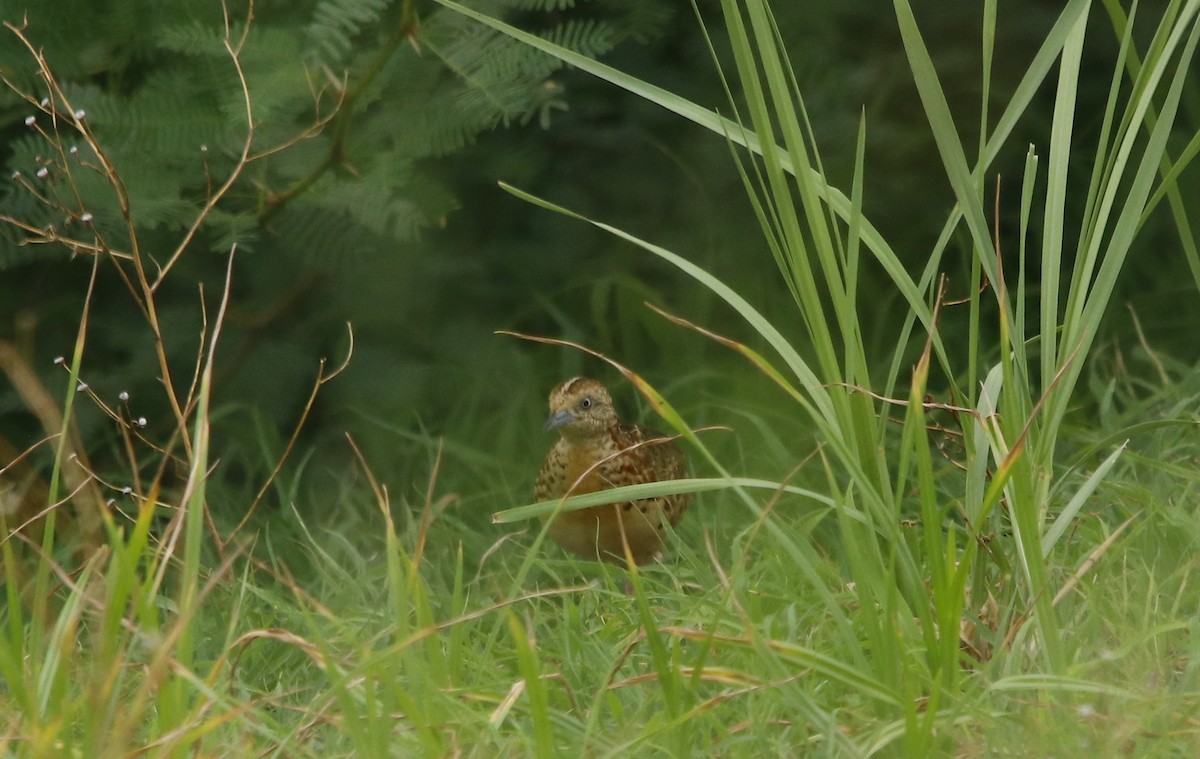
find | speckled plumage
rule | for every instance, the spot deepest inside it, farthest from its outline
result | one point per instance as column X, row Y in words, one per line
column 595, row 451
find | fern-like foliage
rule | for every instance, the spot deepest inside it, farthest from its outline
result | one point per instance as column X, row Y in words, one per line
column 174, row 118
column 353, row 105
column 336, row 25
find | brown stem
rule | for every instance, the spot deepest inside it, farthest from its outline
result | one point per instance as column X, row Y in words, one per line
column 342, row 120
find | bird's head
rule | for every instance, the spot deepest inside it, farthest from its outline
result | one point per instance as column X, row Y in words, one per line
column 580, row 407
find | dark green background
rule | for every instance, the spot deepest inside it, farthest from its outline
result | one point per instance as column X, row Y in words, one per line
column 410, row 240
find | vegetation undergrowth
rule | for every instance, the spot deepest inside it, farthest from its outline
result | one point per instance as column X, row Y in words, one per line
column 975, row 547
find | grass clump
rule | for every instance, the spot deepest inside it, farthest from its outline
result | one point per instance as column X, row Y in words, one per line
column 937, row 551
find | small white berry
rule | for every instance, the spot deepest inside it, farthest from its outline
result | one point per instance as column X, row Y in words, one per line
column 126, row 490
column 59, row 360
column 141, row 422
column 43, row 172
column 81, row 387
column 123, row 397
column 30, row 120
column 16, row 175
column 74, row 150
column 45, row 102
column 85, row 217
column 80, row 115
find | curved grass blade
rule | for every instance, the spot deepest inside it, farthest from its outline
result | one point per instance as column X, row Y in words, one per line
column 656, row 490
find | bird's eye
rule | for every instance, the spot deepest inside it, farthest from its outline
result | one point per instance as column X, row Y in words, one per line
column 585, row 404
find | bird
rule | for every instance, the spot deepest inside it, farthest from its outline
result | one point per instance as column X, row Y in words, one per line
column 596, row 451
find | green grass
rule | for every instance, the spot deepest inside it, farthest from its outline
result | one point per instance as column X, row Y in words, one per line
column 1007, row 571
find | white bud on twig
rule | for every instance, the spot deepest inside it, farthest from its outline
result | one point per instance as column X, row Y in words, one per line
column 45, row 102
column 43, row 172
column 85, row 217
column 74, row 150
column 16, row 175
column 141, row 422
column 30, row 120
column 81, row 387
column 59, row 360
column 80, row 115
column 123, row 397
column 126, row 490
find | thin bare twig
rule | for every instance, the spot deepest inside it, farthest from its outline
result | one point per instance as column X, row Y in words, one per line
column 321, row 379
column 240, row 165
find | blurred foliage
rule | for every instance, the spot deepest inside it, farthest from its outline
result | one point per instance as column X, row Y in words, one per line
column 385, row 213
column 356, row 106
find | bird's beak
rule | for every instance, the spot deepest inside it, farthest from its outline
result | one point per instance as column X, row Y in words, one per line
column 558, row 419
